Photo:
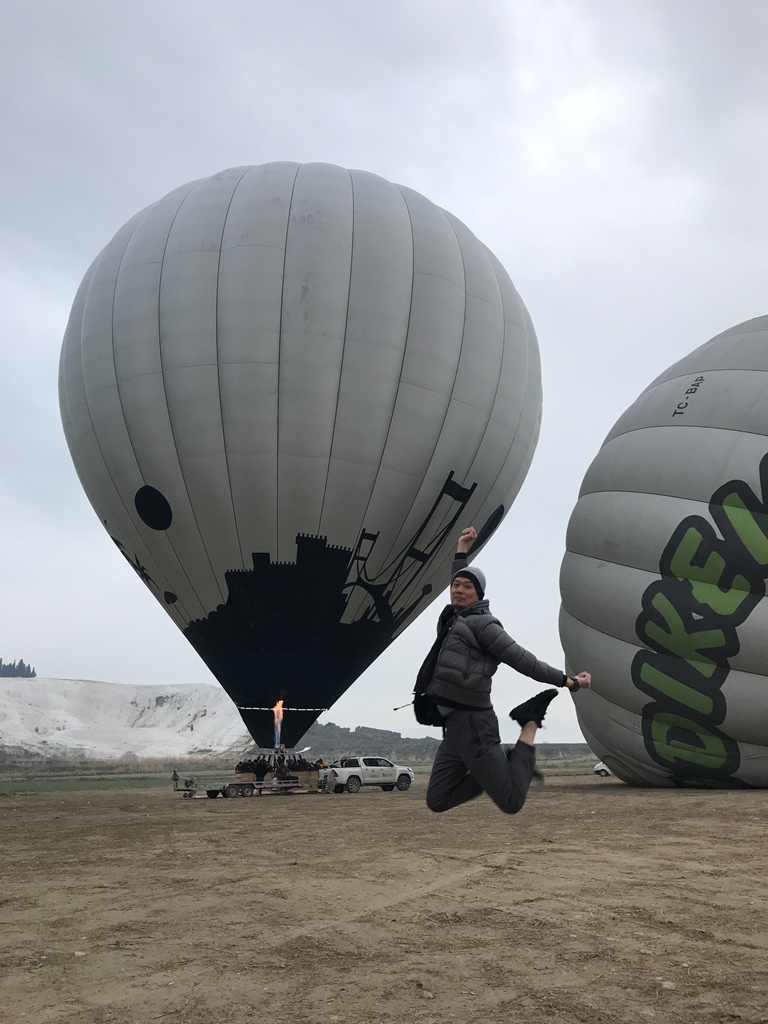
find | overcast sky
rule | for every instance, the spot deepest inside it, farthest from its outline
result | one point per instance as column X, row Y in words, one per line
column 612, row 155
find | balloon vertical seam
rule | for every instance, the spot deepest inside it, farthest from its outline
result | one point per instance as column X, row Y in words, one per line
column 364, row 517
column 279, row 364
column 343, row 353
column 165, row 392
column 218, row 369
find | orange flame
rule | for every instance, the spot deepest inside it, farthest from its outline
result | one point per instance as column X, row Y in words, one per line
column 278, row 713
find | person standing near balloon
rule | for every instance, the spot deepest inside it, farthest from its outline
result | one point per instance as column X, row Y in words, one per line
column 456, row 680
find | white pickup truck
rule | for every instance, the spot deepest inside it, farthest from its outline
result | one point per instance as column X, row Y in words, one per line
column 349, row 774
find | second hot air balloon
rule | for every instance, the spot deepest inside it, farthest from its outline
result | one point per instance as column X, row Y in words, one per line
column 664, row 579
column 284, row 388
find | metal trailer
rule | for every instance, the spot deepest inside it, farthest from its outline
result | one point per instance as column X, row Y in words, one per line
column 233, row 789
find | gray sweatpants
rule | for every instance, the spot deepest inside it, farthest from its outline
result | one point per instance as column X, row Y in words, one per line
column 471, row 760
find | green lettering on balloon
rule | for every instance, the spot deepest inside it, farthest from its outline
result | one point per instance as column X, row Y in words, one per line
column 677, row 640
column 685, row 695
column 746, row 527
column 705, row 579
column 705, row 750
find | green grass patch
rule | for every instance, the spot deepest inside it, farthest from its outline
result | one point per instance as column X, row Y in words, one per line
column 31, row 787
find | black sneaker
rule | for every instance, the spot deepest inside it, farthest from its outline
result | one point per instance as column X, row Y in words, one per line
column 533, row 710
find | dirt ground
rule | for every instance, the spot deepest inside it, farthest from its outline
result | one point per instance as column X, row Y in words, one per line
column 597, row 904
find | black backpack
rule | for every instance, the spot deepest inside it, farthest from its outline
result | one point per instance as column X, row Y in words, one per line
column 424, row 707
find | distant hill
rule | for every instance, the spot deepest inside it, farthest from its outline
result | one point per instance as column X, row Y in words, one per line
column 54, row 719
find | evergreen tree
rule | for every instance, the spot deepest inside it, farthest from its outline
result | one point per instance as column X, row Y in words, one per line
column 16, row 670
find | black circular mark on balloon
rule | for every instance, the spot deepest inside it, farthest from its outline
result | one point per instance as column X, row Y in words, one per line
column 153, row 508
column 488, row 529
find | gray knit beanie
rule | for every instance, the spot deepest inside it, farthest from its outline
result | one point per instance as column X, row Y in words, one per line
column 477, row 577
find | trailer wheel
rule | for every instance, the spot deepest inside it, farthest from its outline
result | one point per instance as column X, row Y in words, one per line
column 387, row 789
column 231, row 790
column 247, row 791
column 338, row 789
column 353, row 784
column 213, row 793
column 403, row 783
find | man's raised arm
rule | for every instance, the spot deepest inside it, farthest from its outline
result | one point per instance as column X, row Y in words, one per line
column 468, row 536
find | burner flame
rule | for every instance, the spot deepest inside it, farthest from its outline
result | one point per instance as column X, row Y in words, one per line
column 278, row 713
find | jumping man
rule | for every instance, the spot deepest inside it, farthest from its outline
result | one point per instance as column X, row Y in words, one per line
column 455, row 684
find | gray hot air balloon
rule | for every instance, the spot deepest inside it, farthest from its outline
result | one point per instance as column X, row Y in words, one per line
column 663, row 583
column 285, row 388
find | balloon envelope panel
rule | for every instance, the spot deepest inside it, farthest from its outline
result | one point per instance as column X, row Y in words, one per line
column 663, row 581
column 285, row 388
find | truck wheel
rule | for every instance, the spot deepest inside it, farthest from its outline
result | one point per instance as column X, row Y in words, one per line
column 403, row 782
column 247, row 791
column 353, row 784
column 213, row 793
column 231, row 790
column 387, row 789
